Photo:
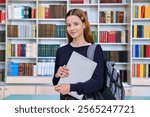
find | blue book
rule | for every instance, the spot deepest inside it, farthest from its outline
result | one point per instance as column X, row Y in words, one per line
column 137, row 50
column 13, row 69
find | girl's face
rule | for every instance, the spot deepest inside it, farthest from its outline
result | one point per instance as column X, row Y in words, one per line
column 74, row 27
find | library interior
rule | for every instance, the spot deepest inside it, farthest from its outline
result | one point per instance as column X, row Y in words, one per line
column 32, row 30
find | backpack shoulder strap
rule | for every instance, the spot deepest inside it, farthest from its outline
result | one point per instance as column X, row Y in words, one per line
column 91, row 51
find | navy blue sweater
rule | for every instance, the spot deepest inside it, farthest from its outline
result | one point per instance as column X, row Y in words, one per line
column 96, row 82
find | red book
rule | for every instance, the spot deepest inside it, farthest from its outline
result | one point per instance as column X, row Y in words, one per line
column 112, row 37
column 18, row 50
column 147, row 51
column 33, row 10
column 138, row 70
column 76, row 1
column 143, row 11
column 20, row 68
column 46, row 12
column 118, row 1
column 3, row 16
column 2, row 1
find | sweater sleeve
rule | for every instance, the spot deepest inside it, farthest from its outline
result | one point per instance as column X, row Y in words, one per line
column 56, row 80
column 97, row 80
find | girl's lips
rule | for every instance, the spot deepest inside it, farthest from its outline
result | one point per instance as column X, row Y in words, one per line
column 72, row 33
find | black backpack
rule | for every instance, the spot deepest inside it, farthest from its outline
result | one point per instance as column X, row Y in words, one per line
column 113, row 88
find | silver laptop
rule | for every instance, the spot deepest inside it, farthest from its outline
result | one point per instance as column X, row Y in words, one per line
column 81, row 69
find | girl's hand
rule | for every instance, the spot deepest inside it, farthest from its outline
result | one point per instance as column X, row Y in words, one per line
column 63, row 88
column 62, row 72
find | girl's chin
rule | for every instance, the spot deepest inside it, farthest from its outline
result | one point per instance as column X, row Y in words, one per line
column 73, row 36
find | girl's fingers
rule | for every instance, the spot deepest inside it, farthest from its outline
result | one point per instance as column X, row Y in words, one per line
column 62, row 72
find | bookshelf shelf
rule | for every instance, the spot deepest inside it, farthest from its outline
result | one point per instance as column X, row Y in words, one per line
column 141, row 39
column 52, row 0
column 22, row 19
column 21, row 38
column 140, row 58
column 2, row 24
column 21, row 1
column 116, row 44
column 114, row 24
column 46, row 57
column 21, row 57
column 114, row 4
column 84, row 5
column 2, row 43
column 2, row 4
column 53, row 19
column 93, row 24
column 121, row 63
column 140, row 81
column 53, row 39
column 140, row 19
column 28, row 80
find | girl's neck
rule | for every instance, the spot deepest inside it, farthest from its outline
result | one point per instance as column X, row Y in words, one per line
column 76, row 43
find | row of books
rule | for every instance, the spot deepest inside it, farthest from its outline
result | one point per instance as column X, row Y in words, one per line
column 110, row 1
column 21, row 50
column 2, row 1
column 2, row 74
column 141, row 11
column 112, row 17
column 21, row 30
column 51, row 30
column 45, row 67
column 52, row 11
column 113, row 36
column 141, row 31
column 82, row 1
column 141, row 70
column 140, row 50
column 2, row 16
column 44, row 30
column 94, row 1
column 117, row 56
column 2, row 36
column 47, row 50
column 2, row 55
column 19, row 12
column 20, row 69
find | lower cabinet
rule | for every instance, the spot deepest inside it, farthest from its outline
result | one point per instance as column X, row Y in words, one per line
column 128, row 91
column 46, row 90
column 140, row 90
column 1, row 92
column 18, row 89
column 7, row 90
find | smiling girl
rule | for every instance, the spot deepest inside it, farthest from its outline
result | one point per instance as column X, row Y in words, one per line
column 79, row 38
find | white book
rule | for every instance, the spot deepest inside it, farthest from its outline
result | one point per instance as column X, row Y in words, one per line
column 81, row 69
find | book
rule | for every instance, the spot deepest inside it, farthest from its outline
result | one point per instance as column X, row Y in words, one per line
column 81, row 69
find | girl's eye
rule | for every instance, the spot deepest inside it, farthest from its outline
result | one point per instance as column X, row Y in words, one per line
column 75, row 24
column 68, row 25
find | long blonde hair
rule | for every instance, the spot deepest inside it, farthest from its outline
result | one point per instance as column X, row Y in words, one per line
column 87, row 32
